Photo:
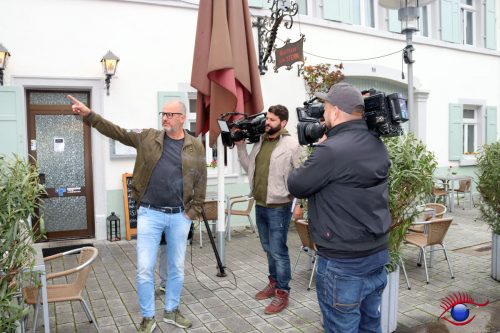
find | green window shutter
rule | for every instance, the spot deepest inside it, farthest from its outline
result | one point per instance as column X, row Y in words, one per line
column 338, row 10
column 165, row 96
column 490, row 25
column 12, row 136
column 302, row 6
column 450, row 20
column 356, row 12
column 393, row 23
column 491, row 124
column 256, row 3
column 455, row 149
column 332, row 11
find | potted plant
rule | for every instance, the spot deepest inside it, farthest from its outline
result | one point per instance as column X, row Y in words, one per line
column 410, row 184
column 488, row 172
column 20, row 199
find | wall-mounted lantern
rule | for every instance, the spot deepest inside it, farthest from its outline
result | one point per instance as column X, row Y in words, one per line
column 4, row 58
column 109, row 63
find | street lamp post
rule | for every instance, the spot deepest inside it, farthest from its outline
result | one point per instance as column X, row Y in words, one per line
column 408, row 14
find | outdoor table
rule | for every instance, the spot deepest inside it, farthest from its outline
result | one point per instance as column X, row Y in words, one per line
column 449, row 183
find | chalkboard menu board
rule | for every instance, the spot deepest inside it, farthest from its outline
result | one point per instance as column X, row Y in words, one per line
column 130, row 207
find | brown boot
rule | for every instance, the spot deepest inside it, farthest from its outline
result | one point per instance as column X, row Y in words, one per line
column 279, row 303
column 268, row 292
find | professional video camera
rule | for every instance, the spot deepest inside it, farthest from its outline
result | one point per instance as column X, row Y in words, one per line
column 250, row 128
column 383, row 115
column 309, row 128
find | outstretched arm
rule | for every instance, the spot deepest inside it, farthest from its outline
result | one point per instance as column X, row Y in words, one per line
column 104, row 126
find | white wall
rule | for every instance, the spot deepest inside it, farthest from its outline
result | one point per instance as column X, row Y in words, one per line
column 57, row 38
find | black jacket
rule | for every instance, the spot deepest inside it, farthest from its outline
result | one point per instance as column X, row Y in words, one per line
column 345, row 180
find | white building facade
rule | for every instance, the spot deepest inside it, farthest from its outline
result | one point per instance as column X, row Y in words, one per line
column 56, row 47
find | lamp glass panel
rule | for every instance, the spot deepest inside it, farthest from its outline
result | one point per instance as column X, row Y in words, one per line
column 109, row 66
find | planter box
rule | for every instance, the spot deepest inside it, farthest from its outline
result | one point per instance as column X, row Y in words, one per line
column 495, row 257
column 389, row 304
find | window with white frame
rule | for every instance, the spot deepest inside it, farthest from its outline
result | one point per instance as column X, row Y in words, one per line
column 468, row 13
column 470, row 130
column 210, row 153
column 471, row 125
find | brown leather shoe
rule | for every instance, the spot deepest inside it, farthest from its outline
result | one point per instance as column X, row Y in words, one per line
column 268, row 292
column 279, row 303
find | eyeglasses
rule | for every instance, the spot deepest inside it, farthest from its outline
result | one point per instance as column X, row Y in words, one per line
column 169, row 115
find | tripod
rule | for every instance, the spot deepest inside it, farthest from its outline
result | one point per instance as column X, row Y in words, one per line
column 221, row 272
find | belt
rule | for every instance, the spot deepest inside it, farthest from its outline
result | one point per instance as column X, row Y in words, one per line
column 166, row 210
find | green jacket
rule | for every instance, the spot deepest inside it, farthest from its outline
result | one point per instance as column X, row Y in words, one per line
column 149, row 146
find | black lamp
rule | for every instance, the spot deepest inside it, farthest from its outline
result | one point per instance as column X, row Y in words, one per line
column 113, row 228
column 4, row 57
column 109, row 63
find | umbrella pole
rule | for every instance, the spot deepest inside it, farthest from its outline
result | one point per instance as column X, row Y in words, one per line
column 221, row 232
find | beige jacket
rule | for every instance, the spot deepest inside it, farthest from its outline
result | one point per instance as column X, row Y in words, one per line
column 284, row 158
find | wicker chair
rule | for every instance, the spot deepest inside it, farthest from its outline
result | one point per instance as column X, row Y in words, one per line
column 434, row 235
column 307, row 246
column 439, row 211
column 68, row 291
column 464, row 187
column 246, row 211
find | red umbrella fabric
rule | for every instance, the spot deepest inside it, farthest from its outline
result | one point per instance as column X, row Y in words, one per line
column 225, row 71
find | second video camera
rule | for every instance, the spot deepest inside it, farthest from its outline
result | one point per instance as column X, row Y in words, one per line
column 383, row 115
column 250, row 128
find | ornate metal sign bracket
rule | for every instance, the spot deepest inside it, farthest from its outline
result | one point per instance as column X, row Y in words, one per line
column 267, row 29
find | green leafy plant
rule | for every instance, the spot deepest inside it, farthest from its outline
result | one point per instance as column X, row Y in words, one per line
column 410, row 184
column 320, row 77
column 20, row 199
column 488, row 164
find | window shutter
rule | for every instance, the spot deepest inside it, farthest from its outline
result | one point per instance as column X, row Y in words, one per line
column 450, row 20
column 256, row 3
column 455, row 144
column 393, row 23
column 12, row 133
column 491, row 124
column 165, row 96
column 331, row 10
column 302, row 6
column 338, row 10
column 490, row 25
column 356, row 12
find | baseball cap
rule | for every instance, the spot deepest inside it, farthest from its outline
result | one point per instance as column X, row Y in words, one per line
column 344, row 96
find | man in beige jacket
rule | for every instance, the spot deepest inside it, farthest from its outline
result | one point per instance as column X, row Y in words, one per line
column 268, row 166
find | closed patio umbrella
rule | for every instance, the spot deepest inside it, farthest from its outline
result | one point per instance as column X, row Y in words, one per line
column 225, row 74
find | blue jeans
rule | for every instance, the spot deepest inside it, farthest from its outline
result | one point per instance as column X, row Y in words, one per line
column 273, row 224
column 349, row 303
column 163, row 265
column 150, row 225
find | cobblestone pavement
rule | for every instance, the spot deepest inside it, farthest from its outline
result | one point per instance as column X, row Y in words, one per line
column 227, row 304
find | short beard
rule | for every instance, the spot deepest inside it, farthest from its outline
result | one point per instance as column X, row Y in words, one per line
column 274, row 130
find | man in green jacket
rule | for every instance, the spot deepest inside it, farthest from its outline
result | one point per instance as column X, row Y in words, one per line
column 169, row 186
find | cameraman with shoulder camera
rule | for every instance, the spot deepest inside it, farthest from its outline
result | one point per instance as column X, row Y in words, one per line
column 268, row 167
column 345, row 181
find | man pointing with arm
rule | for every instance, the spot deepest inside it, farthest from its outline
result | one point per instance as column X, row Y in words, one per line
column 169, row 186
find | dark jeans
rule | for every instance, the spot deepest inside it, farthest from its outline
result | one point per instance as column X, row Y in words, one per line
column 273, row 226
column 349, row 303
